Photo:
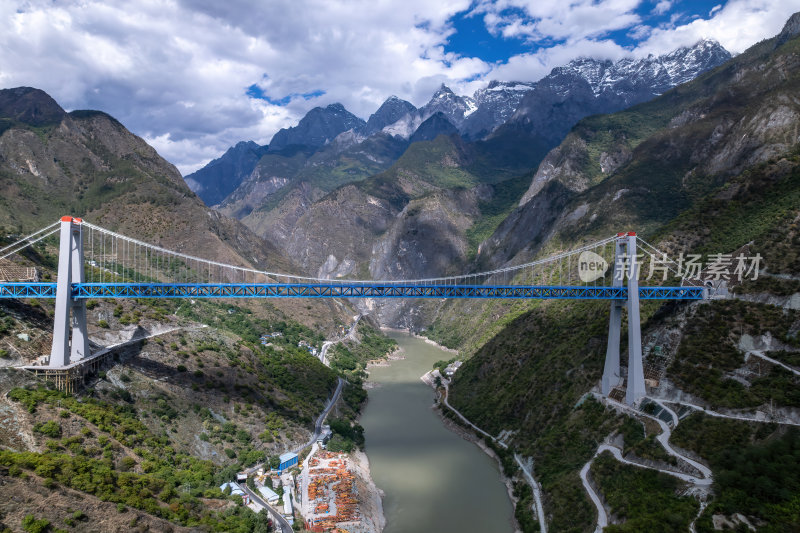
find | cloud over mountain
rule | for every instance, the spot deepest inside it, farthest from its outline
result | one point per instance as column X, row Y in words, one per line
column 194, row 77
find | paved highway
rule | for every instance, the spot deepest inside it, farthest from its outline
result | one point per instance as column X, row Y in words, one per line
column 351, row 334
column 323, row 415
column 317, row 426
column 278, row 519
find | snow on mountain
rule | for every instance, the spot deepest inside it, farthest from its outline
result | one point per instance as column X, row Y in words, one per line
column 547, row 108
column 455, row 108
column 588, row 86
column 656, row 73
column 404, row 127
column 391, row 111
column 494, row 105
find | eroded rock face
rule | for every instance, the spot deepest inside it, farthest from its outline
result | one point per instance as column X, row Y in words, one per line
column 427, row 239
column 392, row 110
column 343, row 225
column 318, row 127
column 222, row 176
column 529, row 225
column 790, row 30
column 562, row 164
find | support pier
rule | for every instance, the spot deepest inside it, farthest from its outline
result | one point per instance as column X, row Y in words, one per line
column 625, row 266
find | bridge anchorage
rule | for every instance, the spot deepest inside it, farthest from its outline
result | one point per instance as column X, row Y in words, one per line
column 94, row 262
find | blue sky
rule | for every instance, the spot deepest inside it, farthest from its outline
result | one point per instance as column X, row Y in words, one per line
column 194, row 77
column 472, row 38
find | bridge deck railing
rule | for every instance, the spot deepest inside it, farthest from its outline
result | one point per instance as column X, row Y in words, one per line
column 344, row 290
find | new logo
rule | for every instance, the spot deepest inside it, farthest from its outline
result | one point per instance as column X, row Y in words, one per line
column 591, row 266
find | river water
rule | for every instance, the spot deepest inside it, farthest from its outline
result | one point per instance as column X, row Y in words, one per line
column 434, row 480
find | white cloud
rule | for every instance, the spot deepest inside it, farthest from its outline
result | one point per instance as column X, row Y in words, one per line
column 737, row 25
column 662, row 7
column 558, row 19
column 640, row 32
column 531, row 67
column 176, row 71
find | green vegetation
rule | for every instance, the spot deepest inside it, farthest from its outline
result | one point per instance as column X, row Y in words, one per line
column 645, row 500
column 756, row 469
column 442, row 364
column 708, row 351
column 523, row 508
column 447, row 162
column 423, row 160
column 351, row 358
column 327, row 168
column 346, row 435
column 6, row 324
column 789, row 358
column 776, row 286
column 505, row 197
column 50, row 429
column 32, row 525
column 303, row 382
column 533, row 378
column 645, row 446
column 169, row 486
column 758, row 206
column 243, row 323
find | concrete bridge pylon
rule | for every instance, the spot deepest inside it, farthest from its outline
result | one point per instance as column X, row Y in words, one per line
column 70, row 339
column 625, row 266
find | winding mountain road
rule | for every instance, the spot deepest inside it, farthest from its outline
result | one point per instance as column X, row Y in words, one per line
column 602, row 516
column 703, row 483
column 351, row 334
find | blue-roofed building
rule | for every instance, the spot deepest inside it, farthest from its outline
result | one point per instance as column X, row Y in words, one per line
column 288, row 460
column 235, row 490
column 268, row 494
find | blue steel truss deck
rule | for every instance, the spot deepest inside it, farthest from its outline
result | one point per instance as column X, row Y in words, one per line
column 343, row 290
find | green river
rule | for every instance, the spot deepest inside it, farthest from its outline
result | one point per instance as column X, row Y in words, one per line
column 434, row 480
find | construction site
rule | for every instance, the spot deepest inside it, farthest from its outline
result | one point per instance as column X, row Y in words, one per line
column 329, row 493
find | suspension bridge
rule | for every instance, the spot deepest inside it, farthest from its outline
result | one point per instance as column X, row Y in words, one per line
column 96, row 263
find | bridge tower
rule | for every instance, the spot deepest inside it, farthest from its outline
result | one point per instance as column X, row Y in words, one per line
column 70, row 313
column 625, row 265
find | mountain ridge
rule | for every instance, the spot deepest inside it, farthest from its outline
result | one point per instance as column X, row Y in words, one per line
column 710, row 167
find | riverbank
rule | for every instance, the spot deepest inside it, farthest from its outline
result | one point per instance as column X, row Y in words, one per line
column 370, row 497
column 337, row 491
column 423, row 338
column 434, row 480
column 369, row 513
column 470, row 436
column 398, row 354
